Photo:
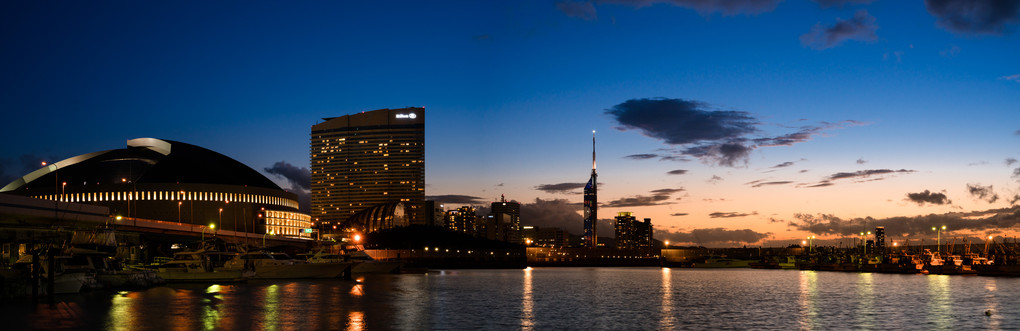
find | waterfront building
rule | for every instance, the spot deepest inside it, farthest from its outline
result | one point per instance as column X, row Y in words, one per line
column 591, row 205
column 368, row 159
column 170, row 182
column 544, row 237
column 434, row 214
column 506, row 221
column 463, row 219
column 631, row 233
column 880, row 238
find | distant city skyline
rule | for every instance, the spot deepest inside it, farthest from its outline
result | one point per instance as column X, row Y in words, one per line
column 727, row 124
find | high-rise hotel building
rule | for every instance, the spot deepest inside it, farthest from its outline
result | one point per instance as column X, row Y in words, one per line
column 368, row 159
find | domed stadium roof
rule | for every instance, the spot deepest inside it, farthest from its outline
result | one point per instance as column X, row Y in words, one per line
column 146, row 161
column 379, row 217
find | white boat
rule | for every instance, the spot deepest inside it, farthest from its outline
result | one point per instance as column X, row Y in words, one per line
column 363, row 263
column 108, row 272
column 267, row 265
column 201, row 266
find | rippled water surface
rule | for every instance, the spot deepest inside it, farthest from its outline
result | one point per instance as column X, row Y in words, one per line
column 550, row 299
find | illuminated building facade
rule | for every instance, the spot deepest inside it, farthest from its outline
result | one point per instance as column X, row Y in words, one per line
column 591, row 205
column 880, row 237
column 505, row 224
column 544, row 237
column 368, row 159
column 631, row 233
column 463, row 220
column 169, row 181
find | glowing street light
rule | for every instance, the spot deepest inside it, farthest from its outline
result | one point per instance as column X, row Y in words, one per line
column 666, row 243
column 264, row 238
column 211, row 226
column 938, row 238
column 810, row 243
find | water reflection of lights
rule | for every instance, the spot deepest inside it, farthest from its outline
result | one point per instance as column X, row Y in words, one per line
column 272, row 307
column 356, row 321
column 667, row 320
column 940, row 309
column 808, row 300
column 122, row 311
column 527, row 303
column 991, row 304
column 865, row 300
column 210, row 310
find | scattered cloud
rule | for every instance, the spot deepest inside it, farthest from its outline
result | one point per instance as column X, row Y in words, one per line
column 782, row 165
column 680, row 122
column 456, row 199
column 584, row 10
column 861, row 28
column 482, row 37
column 975, row 17
column 1015, row 78
column 866, row 174
column 1010, row 161
column 715, row 179
column 760, row 184
column 677, row 172
column 928, row 197
column 861, row 161
column 641, row 156
column 708, row 7
column 300, row 180
column 984, row 193
column 679, row 214
column 713, row 237
column 560, row 188
column 950, row 52
column 730, row 215
column 715, row 136
column 978, row 221
column 639, row 201
column 841, row 3
column 668, row 190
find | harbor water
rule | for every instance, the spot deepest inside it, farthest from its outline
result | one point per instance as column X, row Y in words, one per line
column 548, row 299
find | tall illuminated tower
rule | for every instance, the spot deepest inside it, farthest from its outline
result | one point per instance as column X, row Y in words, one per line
column 368, row 159
column 591, row 205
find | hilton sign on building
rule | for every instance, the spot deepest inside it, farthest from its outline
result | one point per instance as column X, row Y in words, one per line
column 365, row 160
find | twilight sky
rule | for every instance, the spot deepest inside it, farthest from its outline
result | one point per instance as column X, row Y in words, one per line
column 755, row 122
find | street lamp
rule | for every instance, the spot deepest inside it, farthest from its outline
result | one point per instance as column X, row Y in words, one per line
column 264, row 238
column 179, row 203
column 811, row 241
column 221, row 215
column 666, row 243
column 211, row 226
column 938, row 238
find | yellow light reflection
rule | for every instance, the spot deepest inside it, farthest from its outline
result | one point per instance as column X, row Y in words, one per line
column 527, row 303
column 991, row 304
column 272, row 308
column 122, row 311
column 356, row 321
column 808, row 300
column 865, row 300
column 940, row 305
column 666, row 320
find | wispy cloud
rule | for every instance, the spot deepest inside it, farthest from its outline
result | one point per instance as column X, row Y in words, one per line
column 457, row 199
column 677, row 172
column 783, row 165
column 975, row 17
column 861, row 27
column 841, row 3
column 560, row 188
column 707, row 7
column 1015, row 78
column 929, row 197
column 639, row 201
column 730, row 214
column 641, row 156
column 679, row 214
column 760, row 184
column 584, row 10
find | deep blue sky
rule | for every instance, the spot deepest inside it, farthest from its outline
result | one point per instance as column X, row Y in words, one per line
column 513, row 89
